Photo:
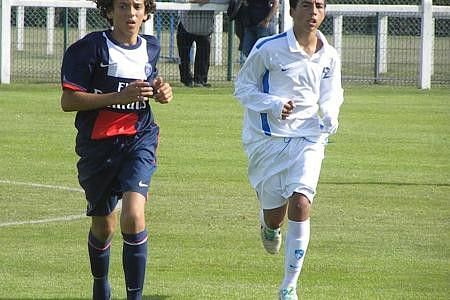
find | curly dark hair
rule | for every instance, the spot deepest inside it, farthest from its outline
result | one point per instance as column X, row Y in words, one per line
column 107, row 5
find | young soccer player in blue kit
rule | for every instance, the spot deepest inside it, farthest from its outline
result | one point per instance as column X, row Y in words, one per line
column 290, row 87
column 109, row 78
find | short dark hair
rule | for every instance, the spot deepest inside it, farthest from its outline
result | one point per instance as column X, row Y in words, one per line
column 293, row 3
column 107, row 5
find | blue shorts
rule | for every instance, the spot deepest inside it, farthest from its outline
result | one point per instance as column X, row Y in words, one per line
column 110, row 167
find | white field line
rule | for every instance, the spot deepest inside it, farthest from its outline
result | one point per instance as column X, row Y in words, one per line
column 48, row 220
column 39, row 185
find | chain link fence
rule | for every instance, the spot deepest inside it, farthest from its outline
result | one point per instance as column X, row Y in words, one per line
column 37, row 48
column 401, row 48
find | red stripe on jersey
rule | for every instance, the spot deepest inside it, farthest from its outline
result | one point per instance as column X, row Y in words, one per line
column 109, row 123
column 73, row 87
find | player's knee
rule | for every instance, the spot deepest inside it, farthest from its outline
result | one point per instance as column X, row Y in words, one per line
column 103, row 232
column 132, row 222
column 103, row 228
column 299, row 202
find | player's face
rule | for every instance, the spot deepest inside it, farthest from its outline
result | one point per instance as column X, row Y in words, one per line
column 127, row 16
column 308, row 15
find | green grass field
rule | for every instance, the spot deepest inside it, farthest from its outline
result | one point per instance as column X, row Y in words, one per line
column 380, row 222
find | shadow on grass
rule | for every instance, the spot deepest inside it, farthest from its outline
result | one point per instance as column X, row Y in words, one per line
column 149, row 297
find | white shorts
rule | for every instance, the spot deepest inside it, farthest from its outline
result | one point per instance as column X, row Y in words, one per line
column 278, row 167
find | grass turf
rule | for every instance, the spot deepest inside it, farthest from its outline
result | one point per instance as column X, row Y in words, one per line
column 380, row 223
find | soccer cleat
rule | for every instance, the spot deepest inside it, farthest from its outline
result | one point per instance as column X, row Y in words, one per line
column 271, row 239
column 289, row 293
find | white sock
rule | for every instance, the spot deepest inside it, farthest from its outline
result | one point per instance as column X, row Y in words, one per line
column 297, row 239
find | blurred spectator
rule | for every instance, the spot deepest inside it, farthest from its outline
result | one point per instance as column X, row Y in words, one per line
column 195, row 26
column 259, row 20
column 236, row 13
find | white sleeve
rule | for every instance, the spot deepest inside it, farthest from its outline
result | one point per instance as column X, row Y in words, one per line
column 331, row 92
column 250, row 86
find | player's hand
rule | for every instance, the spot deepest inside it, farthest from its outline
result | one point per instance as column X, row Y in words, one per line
column 138, row 90
column 288, row 107
column 330, row 125
column 162, row 91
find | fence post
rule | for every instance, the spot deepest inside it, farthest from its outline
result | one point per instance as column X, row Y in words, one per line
column 82, row 29
column 337, row 33
column 148, row 25
column 230, row 50
column 382, row 36
column 50, row 29
column 5, row 49
column 66, row 27
column 20, row 27
column 426, row 40
column 218, row 25
column 286, row 20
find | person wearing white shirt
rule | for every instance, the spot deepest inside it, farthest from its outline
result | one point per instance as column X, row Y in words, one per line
column 290, row 88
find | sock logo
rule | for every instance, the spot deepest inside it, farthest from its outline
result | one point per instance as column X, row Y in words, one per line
column 299, row 253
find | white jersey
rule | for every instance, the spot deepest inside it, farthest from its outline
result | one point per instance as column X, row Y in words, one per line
column 278, row 70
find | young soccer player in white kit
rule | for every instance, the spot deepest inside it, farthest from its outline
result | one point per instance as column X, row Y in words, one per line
column 290, row 87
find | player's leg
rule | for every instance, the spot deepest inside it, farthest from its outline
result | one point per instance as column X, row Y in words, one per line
column 135, row 177
column 268, row 161
column 97, row 179
column 132, row 223
column 297, row 239
column 271, row 221
column 272, row 212
column 99, row 244
column 301, row 183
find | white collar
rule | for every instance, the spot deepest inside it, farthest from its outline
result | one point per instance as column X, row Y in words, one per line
column 294, row 46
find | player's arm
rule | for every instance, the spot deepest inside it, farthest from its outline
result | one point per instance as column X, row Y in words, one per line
column 250, row 86
column 77, row 100
column 331, row 97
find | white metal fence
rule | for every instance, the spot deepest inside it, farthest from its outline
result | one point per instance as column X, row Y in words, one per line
column 385, row 44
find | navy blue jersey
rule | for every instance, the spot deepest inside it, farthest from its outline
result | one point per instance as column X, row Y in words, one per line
column 99, row 64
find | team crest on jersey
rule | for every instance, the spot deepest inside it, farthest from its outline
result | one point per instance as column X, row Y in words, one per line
column 325, row 72
column 148, row 70
column 299, row 253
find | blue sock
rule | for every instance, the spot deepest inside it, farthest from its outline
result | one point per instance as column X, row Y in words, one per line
column 99, row 258
column 134, row 263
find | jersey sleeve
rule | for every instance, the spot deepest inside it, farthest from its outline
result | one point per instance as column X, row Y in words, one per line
column 331, row 92
column 154, row 51
column 252, row 85
column 78, row 64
